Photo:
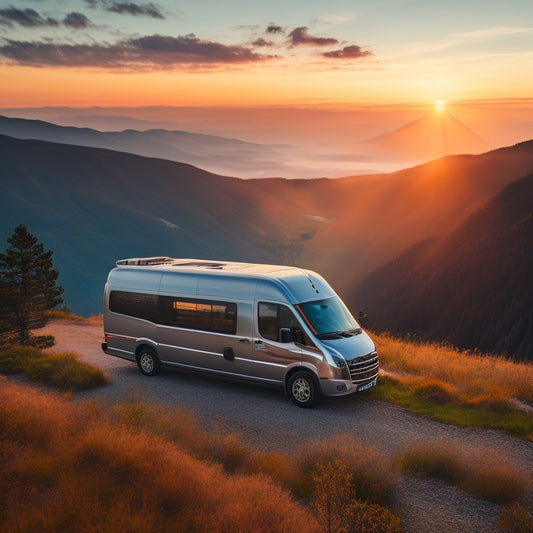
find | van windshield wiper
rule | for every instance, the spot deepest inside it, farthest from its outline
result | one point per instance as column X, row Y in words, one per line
column 339, row 334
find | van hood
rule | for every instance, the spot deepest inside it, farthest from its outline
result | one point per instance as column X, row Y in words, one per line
column 350, row 347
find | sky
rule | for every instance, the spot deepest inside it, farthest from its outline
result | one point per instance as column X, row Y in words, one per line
column 282, row 52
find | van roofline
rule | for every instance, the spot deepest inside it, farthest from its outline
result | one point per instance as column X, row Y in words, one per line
column 198, row 266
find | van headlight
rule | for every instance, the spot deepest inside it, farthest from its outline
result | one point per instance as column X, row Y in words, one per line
column 340, row 362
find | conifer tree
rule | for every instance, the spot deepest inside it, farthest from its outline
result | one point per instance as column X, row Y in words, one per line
column 27, row 288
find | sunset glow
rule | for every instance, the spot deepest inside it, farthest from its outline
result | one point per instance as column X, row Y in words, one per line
column 95, row 52
column 440, row 105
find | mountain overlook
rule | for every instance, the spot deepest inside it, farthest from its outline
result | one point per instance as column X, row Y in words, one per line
column 93, row 206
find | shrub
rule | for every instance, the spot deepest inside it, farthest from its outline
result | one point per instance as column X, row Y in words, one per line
column 62, row 370
column 495, row 479
column 370, row 469
column 486, row 475
column 372, row 518
column 515, row 519
column 431, row 460
column 64, row 466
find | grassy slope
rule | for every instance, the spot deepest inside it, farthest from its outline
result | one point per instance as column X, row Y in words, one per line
column 456, row 386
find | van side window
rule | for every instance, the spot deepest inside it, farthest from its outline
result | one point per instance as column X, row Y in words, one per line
column 205, row 315
column 272, row 317
column 138, row 305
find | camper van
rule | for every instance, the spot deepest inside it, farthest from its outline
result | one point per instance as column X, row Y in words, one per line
column 268, row 324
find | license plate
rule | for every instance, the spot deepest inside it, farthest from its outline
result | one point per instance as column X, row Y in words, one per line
column 366, row 386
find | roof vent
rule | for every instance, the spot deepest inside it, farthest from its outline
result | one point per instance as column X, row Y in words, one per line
column 146, row 261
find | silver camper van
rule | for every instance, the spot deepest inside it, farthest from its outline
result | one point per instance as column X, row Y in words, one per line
column 271, row 324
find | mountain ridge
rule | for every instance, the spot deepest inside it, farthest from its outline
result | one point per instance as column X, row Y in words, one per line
column 471, row 287
column 92, row 206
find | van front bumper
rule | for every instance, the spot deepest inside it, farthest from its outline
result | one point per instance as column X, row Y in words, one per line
column 342, row 387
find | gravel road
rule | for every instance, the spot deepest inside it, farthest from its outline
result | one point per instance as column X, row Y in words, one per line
column 264, row 418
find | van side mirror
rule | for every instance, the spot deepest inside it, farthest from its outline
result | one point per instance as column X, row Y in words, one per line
column 285, row 335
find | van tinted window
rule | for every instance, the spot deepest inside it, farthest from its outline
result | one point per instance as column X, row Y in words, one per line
column 190, row 313
column 272, row 317
column 206, row 315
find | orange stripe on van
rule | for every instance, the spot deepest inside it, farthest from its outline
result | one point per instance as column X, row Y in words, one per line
column 306, row 319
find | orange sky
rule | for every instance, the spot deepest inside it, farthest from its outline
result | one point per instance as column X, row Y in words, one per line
column 84, row 53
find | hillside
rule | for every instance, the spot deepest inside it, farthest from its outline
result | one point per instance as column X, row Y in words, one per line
column 231, row 157
column 472, row 287
column 93, row 206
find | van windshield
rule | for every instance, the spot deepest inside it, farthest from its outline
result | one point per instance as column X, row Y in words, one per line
column 329, row 318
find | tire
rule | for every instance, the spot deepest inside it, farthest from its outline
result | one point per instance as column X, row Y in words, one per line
column 302, row 389
column 148, row 361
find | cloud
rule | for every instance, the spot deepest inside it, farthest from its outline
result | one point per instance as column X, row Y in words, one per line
column 262, row 42
column 348, row 52
column 128, row 8
column 299, row 36
column 76, row 20
column 154, row 51
column 149, row 10
column 24, row 17
column 274, row 28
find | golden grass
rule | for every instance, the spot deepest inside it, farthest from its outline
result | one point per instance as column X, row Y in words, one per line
column 485, row 475
column 515, row 519
column 480, row 378
column 65, row 467
column 56, row 314
column 62, row 370
column 370, row 470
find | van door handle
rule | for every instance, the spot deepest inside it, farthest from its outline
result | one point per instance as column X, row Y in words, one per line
column 247, row 341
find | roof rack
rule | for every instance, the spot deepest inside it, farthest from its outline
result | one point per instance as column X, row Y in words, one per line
column 146, row 261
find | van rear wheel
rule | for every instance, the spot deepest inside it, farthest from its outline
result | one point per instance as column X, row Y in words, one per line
column 148, row 362
column 302, row 389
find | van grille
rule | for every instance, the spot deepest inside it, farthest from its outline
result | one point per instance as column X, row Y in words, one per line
column 364, row 368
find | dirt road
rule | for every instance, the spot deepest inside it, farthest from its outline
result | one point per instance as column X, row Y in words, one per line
column 264, row 418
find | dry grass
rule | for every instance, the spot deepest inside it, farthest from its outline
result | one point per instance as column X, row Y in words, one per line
column 515, row 519
column 61, row 370
column 65, row 467
column 370, row 470
column 477, row 377
column 57, row 314
column 483, row 474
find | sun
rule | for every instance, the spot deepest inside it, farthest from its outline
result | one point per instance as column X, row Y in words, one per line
column 440, row 104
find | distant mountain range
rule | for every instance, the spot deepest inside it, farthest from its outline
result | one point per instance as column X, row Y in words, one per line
column 92, row 206
column 435, row 134
column 230, row 157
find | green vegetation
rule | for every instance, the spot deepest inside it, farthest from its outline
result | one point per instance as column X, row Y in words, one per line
column 27, row 289
column 61, row 370
column 455, row 386
column 486, row 476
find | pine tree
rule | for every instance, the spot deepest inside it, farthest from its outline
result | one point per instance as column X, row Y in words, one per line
column 27, row 288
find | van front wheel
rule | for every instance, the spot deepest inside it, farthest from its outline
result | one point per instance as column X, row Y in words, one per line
column 302, row 389
column 148, row 362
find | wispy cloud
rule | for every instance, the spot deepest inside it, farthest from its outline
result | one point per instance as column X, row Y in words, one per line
column 300, row 36
column 149, row 52
column 348, row 52
column 25, row 17
column 76, row 20
column 128, row 8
